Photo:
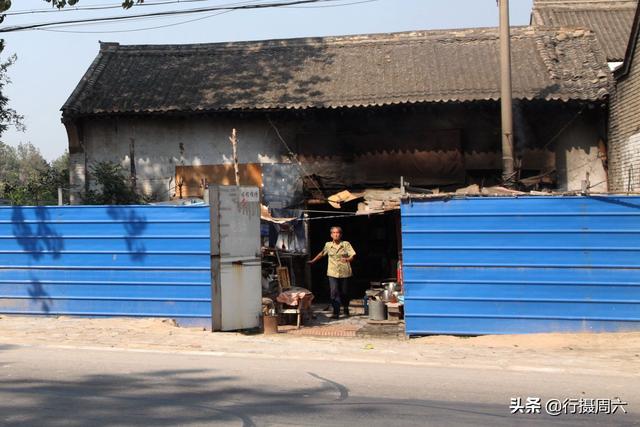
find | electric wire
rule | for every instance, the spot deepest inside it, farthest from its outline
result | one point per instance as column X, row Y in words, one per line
column 329, row 212
column 103, row 6
column 135, row 29
column 349, row 215
column 96, row 24
column 565, row 127
column 294, row 156
column 174, row 24
column 163, row 13
column 61, row 28
column 159, row 3
column 330, row 5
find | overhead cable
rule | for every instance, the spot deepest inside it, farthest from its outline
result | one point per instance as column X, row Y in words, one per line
column 61, row 28
column 164, row 13
column 55, row 30
column 104, row 6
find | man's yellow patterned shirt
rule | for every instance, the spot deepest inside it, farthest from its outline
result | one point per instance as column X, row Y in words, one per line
column 337, row 266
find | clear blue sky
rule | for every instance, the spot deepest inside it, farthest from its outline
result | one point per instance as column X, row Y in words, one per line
column 50, row 64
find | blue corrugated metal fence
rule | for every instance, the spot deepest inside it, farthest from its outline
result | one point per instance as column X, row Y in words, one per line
column 106, row 261
column 521, row 265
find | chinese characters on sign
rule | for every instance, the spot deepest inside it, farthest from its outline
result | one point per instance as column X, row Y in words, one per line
column 243, row 196
column 557, row 407
column 250, row 195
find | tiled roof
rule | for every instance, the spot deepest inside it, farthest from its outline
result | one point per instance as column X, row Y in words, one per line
column 611, row 20
column 337, row 72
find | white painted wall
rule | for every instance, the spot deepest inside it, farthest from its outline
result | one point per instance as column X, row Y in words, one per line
column 160, row 145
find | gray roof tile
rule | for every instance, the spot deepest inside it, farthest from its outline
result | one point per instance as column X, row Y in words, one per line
column 611, row 20
column 337, row 72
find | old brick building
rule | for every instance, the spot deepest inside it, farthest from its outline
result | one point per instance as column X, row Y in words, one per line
column 624, row 120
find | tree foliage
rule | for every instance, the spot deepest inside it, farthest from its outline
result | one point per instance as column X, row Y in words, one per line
column 26, row 178
column 62, row 3
column 61, row 166
column 112, row 187
column 8, row 116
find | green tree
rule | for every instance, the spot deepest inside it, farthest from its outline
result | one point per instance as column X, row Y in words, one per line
column 61, row 167
column 8, row 116
column 28, row 179
column 9, row 169
column 25, row 176
column 112, row 187
column 30, row 162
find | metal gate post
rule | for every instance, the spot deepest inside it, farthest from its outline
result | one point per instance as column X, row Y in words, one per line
column 216, row 289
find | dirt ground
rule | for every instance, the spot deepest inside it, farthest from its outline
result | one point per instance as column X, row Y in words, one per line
column 572, row 342
column 611, row 353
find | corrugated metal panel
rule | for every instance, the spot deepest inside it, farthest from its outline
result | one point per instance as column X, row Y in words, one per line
column 106, row 261
column 520, row 265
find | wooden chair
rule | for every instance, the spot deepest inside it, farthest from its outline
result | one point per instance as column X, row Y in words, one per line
column 284, row 280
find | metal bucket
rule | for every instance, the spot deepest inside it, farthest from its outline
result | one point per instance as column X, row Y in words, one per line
column 377, row 310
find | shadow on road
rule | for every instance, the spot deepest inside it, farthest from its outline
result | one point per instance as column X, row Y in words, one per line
column 4, row 347
column 196, row 397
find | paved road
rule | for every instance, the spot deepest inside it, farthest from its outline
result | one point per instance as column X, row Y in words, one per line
column 49, row 386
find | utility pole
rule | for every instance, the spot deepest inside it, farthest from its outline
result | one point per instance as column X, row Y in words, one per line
column 506, row 94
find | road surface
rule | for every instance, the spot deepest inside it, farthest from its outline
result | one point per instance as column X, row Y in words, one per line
column 55, row 386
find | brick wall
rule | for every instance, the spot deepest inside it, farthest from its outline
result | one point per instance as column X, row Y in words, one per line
column 624, row 131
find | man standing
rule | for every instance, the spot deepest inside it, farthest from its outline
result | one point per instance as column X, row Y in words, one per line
column 341, row 255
